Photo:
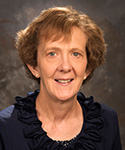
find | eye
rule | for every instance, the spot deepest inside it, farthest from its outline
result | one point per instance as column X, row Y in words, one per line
column 76, row 54
column 52, row 54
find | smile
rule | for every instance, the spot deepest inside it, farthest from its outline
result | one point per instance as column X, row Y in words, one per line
column 63, row 80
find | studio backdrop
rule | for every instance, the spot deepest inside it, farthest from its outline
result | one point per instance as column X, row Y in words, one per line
column 107, row 85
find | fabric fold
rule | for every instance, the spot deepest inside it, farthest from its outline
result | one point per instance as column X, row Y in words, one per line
column 38, row 139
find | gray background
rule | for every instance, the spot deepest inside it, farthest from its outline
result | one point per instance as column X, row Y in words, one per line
column 107, row 84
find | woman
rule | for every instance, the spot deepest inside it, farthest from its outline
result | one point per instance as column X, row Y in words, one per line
column 60, row 49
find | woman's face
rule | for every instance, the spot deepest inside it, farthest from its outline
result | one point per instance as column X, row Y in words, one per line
column 61, row 66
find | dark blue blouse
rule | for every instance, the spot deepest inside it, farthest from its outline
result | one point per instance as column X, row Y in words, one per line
column 20, row 128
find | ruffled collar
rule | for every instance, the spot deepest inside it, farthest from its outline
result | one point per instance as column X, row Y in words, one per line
column 37, row 137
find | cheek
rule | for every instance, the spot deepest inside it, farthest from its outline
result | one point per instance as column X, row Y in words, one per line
column 81, row 72
column 46, row 70
column 81, row 69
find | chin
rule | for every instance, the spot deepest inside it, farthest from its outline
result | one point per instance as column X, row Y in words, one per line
column 65, row 96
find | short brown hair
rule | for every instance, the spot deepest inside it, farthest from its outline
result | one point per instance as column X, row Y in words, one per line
column 56, row 22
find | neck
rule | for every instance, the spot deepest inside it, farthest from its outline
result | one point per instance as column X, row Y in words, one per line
column 56, row 110
column 61, row 119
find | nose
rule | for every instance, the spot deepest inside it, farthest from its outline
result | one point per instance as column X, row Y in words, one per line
column 65, row 64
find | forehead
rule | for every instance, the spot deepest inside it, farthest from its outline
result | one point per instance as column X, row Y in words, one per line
column 66, row 37
column 76, row 38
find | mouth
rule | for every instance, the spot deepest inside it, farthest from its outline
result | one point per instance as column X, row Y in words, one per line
column 64, row 81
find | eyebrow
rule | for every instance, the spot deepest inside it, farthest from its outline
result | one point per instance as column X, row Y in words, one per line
column 57, row 48
column 52, row 48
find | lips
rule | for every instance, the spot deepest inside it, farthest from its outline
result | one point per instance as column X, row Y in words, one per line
column 63, row 80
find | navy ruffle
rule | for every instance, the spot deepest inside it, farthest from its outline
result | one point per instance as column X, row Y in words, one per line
column 37, row 137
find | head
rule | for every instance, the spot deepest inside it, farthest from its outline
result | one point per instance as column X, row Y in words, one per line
column 55, row 23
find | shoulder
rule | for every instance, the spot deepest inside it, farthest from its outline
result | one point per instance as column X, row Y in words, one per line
column 106, row 108
column 8, row 115
column 110, row 117
column 98, row 111
column 5, row 124
column 11, row 129
column 101, row 121
column 96, row 108
column 7, row 112
column 108, row 113
column 111, row 126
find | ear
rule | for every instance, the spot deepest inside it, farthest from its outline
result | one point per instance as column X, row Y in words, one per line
column 34, row 70
column 87, row 73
